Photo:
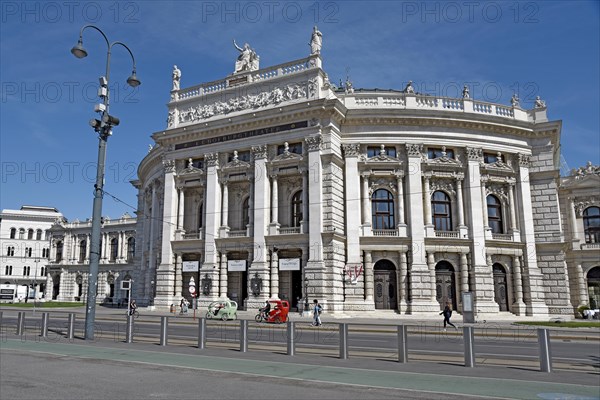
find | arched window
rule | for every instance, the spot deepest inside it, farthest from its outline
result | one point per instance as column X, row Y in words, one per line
column 38, row 234
column 246, row 212
column 591, row 224
column 13, row 233
column 442, row 211
column 114, row 249
column 22, row 233
column 30, row 234
column 382, row 208
column 59, row 251
column 82, row 250
column 494, row 209
column 296, row 208
column 130, row 249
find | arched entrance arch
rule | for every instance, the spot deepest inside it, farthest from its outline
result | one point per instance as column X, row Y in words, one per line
column 384, row 276
column 445, row 282
column 500, row 291
column 593, row 281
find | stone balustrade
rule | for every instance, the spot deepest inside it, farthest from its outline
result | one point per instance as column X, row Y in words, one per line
column 399, row 100
column 447, row 234
column 236, row 80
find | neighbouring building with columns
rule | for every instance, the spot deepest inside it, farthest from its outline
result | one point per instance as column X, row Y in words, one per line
column 274, row 183
column 69, row 259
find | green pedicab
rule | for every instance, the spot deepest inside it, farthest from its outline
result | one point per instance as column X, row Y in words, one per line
column 222, row 309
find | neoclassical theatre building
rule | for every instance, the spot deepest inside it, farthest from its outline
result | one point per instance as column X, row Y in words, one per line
column 274, row 183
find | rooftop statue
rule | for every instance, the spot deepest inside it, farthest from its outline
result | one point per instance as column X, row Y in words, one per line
column 588, row 169
column 316, row 41
column 539, row 103
column 409, row 88
column 247, row 60
column 465, row 92
column 514, row 101
column 176, row 77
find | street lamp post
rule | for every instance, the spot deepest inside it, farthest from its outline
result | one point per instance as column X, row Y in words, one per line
column 104, row 129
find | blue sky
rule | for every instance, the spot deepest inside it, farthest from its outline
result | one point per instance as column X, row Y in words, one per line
column 48, row 151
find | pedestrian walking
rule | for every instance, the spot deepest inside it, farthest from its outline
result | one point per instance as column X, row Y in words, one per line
column 447, row 314
column 317, row 309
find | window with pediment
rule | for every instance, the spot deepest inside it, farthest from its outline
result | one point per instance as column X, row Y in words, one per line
column 442, row 211
column 494, row 211
column 296, row 209
column 433, row 153
column 591, row 224
column 374, row 151
column 295, row 148
column 382, row 206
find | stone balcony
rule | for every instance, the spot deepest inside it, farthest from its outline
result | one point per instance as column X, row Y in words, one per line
column 590, row 246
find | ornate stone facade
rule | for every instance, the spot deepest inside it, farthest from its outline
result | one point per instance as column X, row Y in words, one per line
column 303, row 185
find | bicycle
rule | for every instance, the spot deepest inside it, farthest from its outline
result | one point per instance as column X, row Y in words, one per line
column 134, row 313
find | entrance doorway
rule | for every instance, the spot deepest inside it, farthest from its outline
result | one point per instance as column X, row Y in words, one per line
column 384, row 276
column 593, row 278
column 237, row 287
column 500, row 294
column 445, row 282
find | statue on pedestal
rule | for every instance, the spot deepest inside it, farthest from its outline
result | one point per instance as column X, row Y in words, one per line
column 409, row 88
column 465, row 92
column 176, row 77
column 316, row 42
column 247, row 60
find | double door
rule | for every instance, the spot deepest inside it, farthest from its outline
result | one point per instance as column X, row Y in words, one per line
column 385, row 290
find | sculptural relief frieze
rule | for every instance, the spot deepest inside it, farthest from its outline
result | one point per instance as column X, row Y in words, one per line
column 241, row 103
column 582, row 203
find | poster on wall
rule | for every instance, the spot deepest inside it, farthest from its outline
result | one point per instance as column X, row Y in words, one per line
column 289, row 264
column 190, row 266
column 236, row 265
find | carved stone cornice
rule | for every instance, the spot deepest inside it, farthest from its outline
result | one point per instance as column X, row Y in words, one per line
column 351, row 150
column 581, row 203
column 474, row 154
column 414, row 150
column 211, row 159
column 313, row 143
column 259, row 152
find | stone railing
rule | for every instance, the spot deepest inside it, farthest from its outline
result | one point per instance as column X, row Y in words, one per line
column 193, row 235
column 260, row 75
column 406, row 101
column 590, row 246
column 289, row 230
column 447, row 234
column 502, row 236
column 238, row 233
column 385, row 232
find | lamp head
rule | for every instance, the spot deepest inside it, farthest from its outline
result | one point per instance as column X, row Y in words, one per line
column 78, row 50
column 133, row 81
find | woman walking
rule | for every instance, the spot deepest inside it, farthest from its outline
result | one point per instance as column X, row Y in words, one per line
column 447, row 314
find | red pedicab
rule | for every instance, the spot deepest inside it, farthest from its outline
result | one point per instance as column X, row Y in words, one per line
column 278, row 313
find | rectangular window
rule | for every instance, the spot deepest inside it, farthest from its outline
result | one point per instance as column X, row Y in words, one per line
column 374, row 151
column 433, row 153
